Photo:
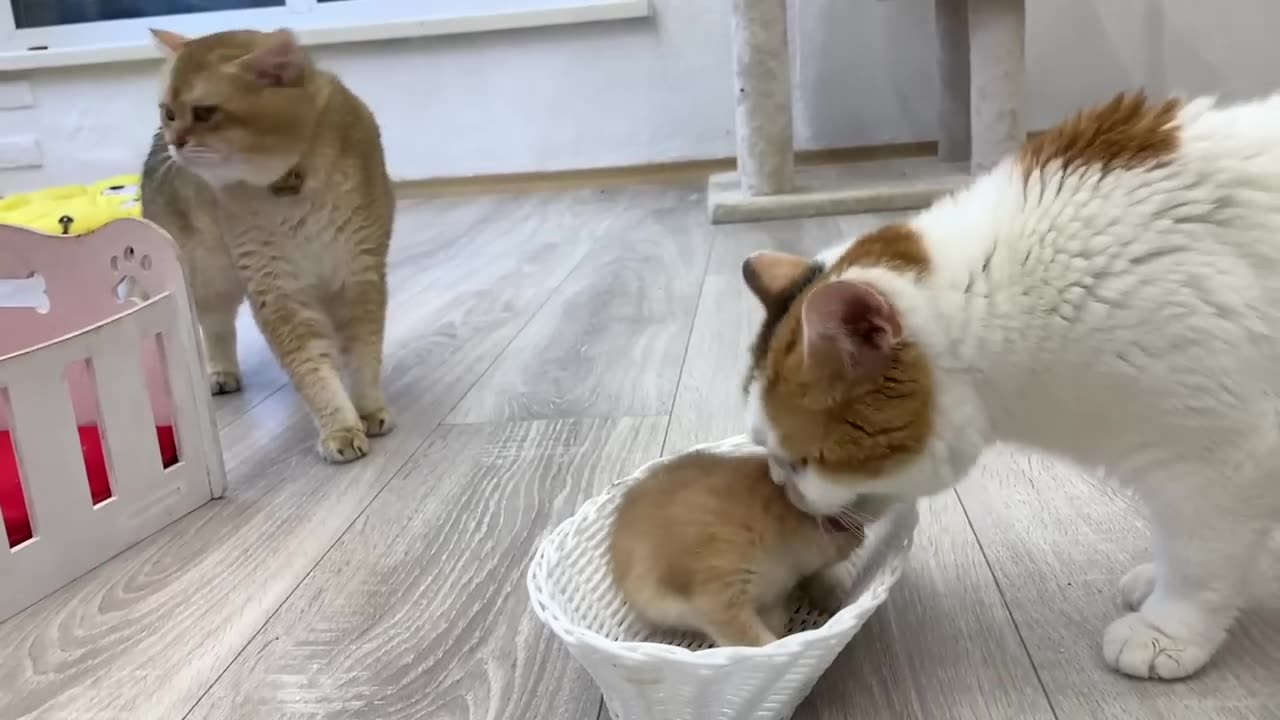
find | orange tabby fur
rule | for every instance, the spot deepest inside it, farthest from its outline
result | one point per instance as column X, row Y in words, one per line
column 819, row 412
column 269, row 173
column 710, row 543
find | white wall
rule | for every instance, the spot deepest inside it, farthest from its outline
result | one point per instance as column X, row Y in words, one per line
column 660, row 89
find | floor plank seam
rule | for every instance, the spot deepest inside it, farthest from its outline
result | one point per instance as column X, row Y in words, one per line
column 303, row 578
column 356, row 517
column 507, row 346
column 1004, row 600
column 688, row 342
column 252, row 407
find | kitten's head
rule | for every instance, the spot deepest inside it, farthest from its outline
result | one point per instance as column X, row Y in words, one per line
column 838, row 390
column 236, row 105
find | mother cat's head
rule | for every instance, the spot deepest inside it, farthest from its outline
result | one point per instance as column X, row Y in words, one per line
column 236, row 106
column 841, row 388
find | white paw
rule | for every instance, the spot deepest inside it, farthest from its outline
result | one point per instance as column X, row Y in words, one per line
column 222, row 382
column 1136, row 647
column 1137, row 585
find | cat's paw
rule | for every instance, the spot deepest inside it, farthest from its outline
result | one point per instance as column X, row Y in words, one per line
column 777, row 618
column 378, row 422
column 222, row 382
column 829, row 590
column 1137, row 585
column 1138, row 648
column 344, row 445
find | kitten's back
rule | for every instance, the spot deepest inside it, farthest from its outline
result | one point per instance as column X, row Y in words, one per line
column 702, row 514
column 708, row 543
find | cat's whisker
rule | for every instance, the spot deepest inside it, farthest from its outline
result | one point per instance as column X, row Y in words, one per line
column 201, row 156
column 167, row 164
column 857, row 516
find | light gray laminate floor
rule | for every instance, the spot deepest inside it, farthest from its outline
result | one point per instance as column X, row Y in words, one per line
column 539, row 346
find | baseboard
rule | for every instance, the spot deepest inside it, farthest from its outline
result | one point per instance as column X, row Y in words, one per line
column 688, row 171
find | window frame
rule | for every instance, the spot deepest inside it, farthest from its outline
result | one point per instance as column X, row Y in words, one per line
column 317, row 23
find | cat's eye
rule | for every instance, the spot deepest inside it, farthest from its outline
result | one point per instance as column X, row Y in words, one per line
column 167, row 113
column 203, row 113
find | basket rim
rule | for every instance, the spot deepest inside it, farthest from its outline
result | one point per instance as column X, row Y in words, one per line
column 887, row 554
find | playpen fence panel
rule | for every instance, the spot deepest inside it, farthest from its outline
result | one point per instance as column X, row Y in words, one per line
column 64, row 526
column 185, row 485
column 70, row 535
column 128, row 425
column 180, row 352
column 132, row 389
column 48, row 446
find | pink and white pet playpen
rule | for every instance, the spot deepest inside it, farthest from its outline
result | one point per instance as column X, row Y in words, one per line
column 106, row 433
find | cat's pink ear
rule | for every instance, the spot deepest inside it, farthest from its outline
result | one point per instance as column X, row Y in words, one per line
column 280, row 62
column 170, row 43
column 849, row 328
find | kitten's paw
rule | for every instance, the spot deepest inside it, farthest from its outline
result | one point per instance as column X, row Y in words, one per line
column 222, row 382
column 1137, row 585
column 829, row 590
column 1136, row 647
column 378, row 422
column 776, row 619
column 344, row 445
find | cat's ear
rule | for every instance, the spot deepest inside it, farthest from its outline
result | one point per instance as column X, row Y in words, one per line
column 770, row 274
column 279, row 62
column 170, row 43
column 850, row 329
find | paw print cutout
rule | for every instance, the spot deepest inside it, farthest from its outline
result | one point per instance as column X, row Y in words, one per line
column 125, row 267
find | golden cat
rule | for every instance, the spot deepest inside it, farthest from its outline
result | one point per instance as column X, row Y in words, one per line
column 710, row 543
column 269, row 174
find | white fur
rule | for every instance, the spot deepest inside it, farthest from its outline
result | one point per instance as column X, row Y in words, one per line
column 1129, row 320
column 221, row 167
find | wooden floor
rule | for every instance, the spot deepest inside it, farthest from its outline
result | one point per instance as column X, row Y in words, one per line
column 540, row 346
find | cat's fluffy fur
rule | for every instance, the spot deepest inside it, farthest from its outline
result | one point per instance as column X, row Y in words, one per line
column 1110, row 293
column 710, row 543
column 269, row 173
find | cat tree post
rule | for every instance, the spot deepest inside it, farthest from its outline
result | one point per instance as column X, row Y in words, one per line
column 951, row 28
column 980, row 68
column 997, row 60
column 762, row 69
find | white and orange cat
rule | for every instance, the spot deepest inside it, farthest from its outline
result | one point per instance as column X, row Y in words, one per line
column 1111, row 293
column 269, row 174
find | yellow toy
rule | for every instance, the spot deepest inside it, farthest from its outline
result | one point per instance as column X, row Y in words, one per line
column 74, row 209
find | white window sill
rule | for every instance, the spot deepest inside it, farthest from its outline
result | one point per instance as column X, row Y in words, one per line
column 480, row 16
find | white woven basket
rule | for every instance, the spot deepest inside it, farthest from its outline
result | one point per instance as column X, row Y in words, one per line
column 646, row 674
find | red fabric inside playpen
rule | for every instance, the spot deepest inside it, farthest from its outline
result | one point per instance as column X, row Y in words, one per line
column 17, row 523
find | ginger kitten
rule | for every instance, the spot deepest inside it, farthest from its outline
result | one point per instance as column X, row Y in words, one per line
column 1110, row 293
column 710, row 543
column 269, row 174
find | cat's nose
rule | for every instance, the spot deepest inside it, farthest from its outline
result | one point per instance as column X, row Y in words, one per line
column 180, row 141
